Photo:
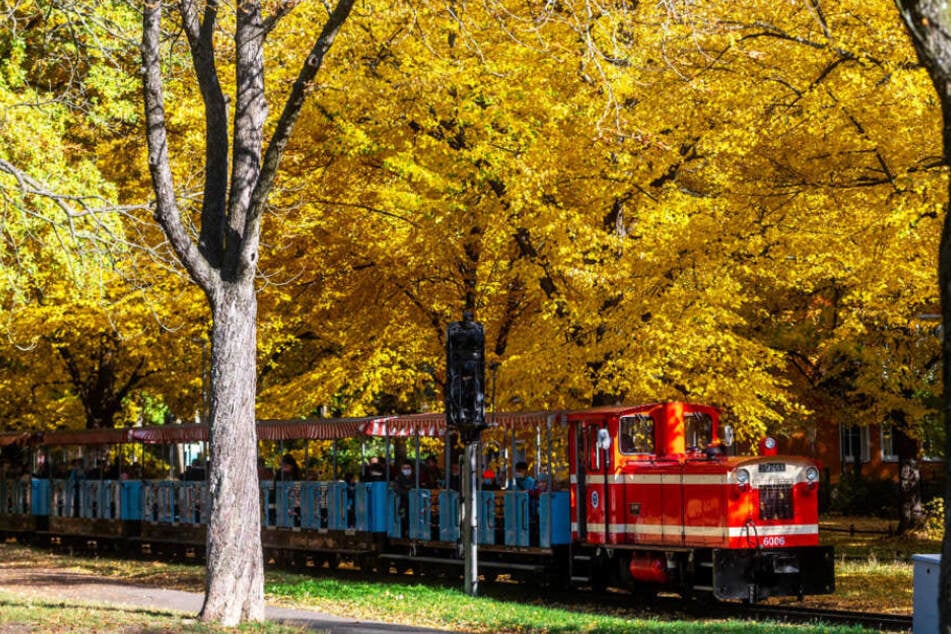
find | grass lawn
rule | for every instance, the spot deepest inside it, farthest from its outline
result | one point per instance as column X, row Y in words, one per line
column 873, row 573
column 450, row 608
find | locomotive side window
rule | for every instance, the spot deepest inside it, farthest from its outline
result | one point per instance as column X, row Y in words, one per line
column 698, row 430
column 636, row 434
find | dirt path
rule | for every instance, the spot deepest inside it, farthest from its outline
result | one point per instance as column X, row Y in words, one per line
column 75, row 587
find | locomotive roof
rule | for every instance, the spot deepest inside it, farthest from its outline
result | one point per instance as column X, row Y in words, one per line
column 624, row 410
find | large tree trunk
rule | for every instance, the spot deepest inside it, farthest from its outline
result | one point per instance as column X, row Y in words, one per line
column 235, row 581
column 909, row 482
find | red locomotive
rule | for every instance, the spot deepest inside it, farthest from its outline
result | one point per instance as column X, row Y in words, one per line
column 656, row 501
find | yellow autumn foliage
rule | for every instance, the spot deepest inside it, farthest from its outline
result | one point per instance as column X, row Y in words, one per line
column 723, row 202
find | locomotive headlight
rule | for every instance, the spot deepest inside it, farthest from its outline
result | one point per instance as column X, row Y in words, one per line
column 812, row 475
column 742, row 477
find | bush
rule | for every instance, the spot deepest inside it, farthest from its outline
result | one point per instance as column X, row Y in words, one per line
column 855, row 495
column 934, row 518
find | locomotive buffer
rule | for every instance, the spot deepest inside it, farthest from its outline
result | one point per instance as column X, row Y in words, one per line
column 465, row 413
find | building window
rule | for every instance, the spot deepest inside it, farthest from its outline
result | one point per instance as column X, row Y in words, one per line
column 888, row 444
column 854, row 441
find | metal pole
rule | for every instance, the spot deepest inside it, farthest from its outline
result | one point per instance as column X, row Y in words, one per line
column 551, row 465
column 470, row 521
column 538, row 449
column 417, row 458
column 513, row 458
column 447, row 457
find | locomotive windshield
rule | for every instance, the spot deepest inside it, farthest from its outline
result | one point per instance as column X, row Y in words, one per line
column 698, row 430
column 637, row 434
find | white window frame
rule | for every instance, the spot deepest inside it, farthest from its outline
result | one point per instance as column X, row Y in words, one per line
column 848, row 458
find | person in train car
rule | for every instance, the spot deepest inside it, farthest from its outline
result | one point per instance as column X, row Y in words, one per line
column 76, row 475
column 375, row 471
column 523, row 481
column 404, row 480
column 402, row 484
column 455, row 476
column 290, row 471
column 489, row 482
column 195, row 471
column 429, row 475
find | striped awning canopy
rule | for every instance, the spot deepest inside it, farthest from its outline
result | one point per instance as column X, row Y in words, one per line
column 15, row 438
column 85, row 437
column 434, row 424
column 520, row 420
column 169, row 434
column 311, row 428
column 431, row 424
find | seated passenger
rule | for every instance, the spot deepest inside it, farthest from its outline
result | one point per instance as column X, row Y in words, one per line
column 289, row 469
column 375, row 472
column 627, row 443
column 429, row 476
column 488, row 481
column 523, row 481
column 195, row 471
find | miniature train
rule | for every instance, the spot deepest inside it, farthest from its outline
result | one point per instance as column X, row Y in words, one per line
column 652, row 501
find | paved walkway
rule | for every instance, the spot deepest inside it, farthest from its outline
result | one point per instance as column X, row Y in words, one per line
column 86, row 588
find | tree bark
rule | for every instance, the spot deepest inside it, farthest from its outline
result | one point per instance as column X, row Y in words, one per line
column 909, row 482
column 929, row 24
column 234, row 589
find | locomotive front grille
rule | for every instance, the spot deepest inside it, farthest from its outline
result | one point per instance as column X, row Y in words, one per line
column 775, row 502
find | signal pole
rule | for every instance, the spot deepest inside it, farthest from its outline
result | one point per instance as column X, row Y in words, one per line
column 465, row 412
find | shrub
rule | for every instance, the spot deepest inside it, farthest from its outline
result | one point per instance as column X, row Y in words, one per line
column 856, row 495
column 934, row 518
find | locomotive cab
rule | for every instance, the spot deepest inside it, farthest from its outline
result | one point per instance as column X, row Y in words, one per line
column 653, row 488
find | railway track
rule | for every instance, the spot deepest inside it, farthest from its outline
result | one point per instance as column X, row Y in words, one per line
column 795, row 614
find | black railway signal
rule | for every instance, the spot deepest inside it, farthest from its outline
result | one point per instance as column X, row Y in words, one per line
column 465, row 377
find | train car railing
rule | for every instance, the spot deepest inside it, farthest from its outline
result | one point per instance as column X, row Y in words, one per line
column 65, row 498
column 486, row 517
column 99, row 499
column 554, row 519
column 169, row 501
column 40, row 504
column 420, row 514
column 322, row 506
column 17, row 497
column 314, row 505
column 369, row 502
column 131, row 502
column 194, row 502
column 518, row 520
column 449, row 516
column 394, row 515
